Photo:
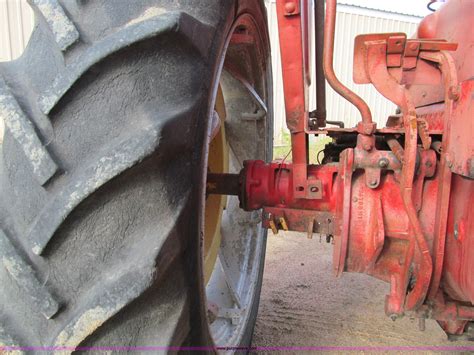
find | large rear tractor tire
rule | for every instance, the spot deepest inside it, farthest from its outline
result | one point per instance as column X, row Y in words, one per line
column 114, row 115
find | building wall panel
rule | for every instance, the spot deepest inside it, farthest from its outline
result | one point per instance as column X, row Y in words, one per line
column 16, row 24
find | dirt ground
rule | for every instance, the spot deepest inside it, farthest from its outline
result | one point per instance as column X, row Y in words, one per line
column 302, row 304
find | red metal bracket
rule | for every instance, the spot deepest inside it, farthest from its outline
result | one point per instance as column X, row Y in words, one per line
column 291, row 29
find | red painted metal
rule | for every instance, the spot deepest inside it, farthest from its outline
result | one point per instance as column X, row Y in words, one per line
column 459, row 252
column 402, row 216
column 397, row 202
column 290, row 28
column 273, row 185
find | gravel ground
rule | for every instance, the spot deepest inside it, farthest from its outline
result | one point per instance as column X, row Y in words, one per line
column 303, row 304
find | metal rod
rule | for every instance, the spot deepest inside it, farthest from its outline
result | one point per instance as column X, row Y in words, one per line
column 340, row 124
column 340, row 88
column 223, row 184
column 320, row 78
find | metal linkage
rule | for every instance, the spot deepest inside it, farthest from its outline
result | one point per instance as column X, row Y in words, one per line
column 367, row 126
column 320, row 113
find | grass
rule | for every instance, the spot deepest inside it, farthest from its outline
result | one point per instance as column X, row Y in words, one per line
column 316, row 144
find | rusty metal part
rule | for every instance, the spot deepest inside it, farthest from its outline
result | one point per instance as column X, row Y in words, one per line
column 423, row 132
column 366, row 126
column 310, row 228
column 223, row 184
column 299, row 220
column 395, row 147
column 271, row 224
column 283, row 223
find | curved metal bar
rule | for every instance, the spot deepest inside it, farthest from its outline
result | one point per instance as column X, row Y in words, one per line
column 251, row 90
column 391, row 89
column 340, row 88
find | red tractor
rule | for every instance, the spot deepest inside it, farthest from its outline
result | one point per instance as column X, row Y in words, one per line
column 137, row 183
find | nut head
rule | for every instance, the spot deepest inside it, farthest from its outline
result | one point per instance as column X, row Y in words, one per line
column 383, row 163
column 366, row 128
column 290, row 7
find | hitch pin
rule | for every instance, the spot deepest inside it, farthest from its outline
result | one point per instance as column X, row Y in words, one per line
column 272, row 224
column 310, row 228
column 283, row 223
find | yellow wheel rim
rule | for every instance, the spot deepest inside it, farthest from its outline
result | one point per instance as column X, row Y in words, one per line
column 218, row 162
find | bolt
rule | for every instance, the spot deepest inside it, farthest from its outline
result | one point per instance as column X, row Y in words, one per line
column 413, row 46
column 421, row 324
column 355, row 199
column 429, row 164
column 367, row 146
column 373, row 183
column 314, row 189
column 453, row 93
column 290, row 7
column 383, row 163
column 393, row 317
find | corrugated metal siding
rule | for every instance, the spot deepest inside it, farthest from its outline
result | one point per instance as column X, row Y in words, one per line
column 16, row 23
column 348, row 25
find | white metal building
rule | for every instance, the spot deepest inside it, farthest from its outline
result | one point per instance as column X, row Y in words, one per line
column 16, row 23
column 352, row 20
